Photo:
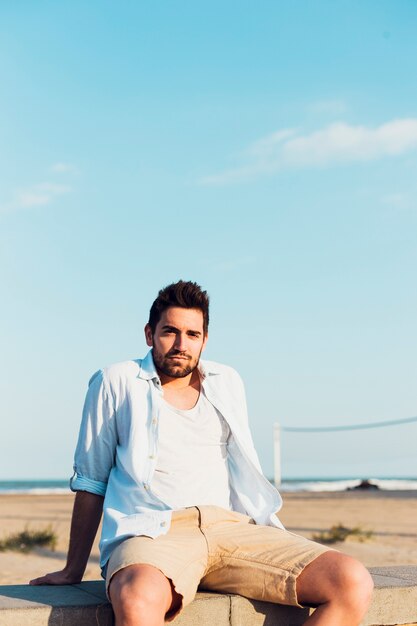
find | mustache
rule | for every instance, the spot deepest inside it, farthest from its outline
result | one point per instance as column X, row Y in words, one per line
column 183, row 355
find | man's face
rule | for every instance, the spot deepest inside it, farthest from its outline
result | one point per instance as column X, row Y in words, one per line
column 177, row 342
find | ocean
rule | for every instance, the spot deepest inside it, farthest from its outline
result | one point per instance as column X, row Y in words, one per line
column 43, row 487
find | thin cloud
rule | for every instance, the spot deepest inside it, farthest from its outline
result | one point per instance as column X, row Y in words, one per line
column 37, row 195
column 397, row 200
column 63, row 168
column 337, row 143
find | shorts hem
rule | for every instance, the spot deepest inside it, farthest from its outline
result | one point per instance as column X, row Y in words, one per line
column 301, row 567
column 174, row 578
column 170, row 615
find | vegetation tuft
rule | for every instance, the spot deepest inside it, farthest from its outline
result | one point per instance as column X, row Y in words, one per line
column 26, row 540
column 338, row 532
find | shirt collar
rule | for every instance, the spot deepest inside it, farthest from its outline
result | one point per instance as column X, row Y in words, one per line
column 207, row 368
column 147, row 369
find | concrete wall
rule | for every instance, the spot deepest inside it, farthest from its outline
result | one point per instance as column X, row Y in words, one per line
column 394, row 603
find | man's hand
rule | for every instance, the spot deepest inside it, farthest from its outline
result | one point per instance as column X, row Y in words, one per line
column 86, row 516
column 57, row 578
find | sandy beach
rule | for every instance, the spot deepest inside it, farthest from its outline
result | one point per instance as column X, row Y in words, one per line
column 391, row 516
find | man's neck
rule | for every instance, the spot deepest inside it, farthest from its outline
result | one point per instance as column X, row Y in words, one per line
column 181, row 393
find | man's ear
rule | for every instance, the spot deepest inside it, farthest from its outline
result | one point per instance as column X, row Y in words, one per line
column 148, row 336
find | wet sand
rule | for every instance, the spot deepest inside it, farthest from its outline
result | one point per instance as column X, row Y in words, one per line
column 391, row 516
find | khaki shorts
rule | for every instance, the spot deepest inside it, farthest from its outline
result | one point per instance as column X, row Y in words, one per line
column 219, row 550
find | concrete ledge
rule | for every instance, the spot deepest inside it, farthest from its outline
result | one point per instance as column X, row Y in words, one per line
column 395, row 603
column 395, row 596
column 86, row 604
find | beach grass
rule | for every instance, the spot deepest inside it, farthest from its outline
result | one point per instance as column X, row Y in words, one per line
column 338, row 533
column 28, row 539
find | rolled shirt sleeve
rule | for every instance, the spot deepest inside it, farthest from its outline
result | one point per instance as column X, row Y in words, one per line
column 97, row 440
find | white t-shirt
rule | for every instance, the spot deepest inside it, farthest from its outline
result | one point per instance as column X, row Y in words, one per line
column 191, row 467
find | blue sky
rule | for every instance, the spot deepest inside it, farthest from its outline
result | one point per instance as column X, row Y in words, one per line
column 267, row 151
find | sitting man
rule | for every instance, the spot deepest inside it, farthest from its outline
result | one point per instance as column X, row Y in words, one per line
column 165, row 449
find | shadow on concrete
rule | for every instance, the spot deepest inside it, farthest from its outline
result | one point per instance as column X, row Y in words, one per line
column 274, row 614
column 70, row 604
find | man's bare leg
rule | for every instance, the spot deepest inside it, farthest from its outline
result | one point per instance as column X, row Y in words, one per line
column 339, row 586
column 141, row 596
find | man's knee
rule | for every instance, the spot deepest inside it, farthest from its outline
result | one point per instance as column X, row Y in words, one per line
column 139, row 590
column 335, row 577
column 352, row 581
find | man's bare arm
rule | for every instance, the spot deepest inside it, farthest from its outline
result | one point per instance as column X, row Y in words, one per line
column 86, row 517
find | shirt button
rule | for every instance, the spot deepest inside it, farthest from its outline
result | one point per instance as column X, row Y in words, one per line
column 151, row 456
column 163, row 524
column 146, row 486
column 154, row 421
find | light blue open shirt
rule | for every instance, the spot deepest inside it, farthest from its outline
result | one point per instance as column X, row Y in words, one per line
column 118, row 445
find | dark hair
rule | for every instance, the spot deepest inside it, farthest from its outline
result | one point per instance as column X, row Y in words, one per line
column 185, row 294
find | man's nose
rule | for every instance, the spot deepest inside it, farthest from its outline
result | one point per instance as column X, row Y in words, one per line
column 181, row 342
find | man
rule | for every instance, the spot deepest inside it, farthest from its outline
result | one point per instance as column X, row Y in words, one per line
column 165, row 441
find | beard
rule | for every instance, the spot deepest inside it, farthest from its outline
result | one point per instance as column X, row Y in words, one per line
column 165, row 363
